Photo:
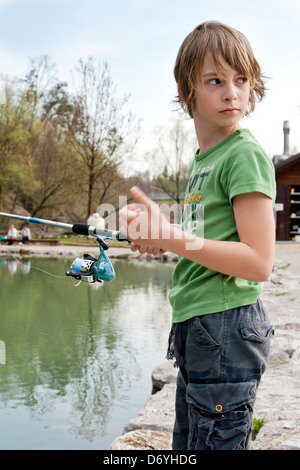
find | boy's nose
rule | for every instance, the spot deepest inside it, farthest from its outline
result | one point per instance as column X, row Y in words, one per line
column 230, row 92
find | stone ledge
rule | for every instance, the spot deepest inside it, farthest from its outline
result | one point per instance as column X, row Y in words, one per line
column 143, row 439
column 158, row 413
column 152, row 428
column 164, row 373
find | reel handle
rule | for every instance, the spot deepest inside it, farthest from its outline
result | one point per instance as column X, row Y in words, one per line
column 83, row 229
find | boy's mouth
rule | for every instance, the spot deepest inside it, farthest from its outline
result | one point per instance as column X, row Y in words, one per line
column 229, row 111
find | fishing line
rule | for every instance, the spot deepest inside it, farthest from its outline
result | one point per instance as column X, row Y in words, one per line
column 39, row 269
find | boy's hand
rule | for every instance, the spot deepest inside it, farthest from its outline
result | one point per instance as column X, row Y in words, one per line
column 144, row 224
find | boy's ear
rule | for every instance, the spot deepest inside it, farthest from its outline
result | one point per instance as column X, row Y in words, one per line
column 182, row 98
column 180, row 94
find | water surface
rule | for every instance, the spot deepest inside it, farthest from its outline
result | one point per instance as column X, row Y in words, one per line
column 78, row 360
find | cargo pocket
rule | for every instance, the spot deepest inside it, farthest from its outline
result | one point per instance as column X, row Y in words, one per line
column 256, row 337
column 258, row 332
column 220, row 415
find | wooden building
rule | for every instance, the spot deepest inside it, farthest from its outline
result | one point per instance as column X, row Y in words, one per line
column 287, row 172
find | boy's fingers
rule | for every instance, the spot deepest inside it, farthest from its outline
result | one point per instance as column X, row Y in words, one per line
column 129, row 212
column 140, row 197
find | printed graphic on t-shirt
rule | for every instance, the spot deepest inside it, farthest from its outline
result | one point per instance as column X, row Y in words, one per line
column 193, row 219
column 193, row 211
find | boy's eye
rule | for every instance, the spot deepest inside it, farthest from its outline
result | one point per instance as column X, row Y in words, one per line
column 217, row 81
column 214, row 81
column 242, row 80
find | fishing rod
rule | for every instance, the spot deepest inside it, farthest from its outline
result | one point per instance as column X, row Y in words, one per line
column 88, row 268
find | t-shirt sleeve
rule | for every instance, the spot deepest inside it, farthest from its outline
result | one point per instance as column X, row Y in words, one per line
column 250, row 170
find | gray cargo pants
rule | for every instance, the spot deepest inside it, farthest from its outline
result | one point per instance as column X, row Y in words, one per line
column 221, row 357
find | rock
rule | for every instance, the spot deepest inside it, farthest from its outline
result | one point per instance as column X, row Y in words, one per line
column 277, row 436
column 164, row 373
column 168, row 255
column 143, row 439
column 278, row 397
column 158, row 413
column 25, row 252
column 152, row 427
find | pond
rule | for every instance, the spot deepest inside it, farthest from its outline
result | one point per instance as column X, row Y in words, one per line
column 77, row 361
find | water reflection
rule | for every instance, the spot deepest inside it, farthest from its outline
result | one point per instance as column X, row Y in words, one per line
column 13, row 266
column 78, row 359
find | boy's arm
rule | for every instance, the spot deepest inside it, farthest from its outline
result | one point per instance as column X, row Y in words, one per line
column 251, row 258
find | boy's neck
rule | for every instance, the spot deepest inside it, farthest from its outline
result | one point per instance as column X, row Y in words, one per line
column 207, row 140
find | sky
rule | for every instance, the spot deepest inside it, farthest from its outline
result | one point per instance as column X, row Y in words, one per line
column 139, row 40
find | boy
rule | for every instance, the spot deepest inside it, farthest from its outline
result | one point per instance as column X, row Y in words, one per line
column 221, row 332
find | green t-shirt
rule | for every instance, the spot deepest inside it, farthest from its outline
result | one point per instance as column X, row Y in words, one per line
column 235, row 166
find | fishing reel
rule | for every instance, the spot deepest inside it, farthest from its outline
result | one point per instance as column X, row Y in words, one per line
column 90, row 269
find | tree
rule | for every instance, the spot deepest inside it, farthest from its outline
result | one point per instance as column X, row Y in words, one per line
column 172, row 158
column 55, row 145
column 50, row 111
column 99, row 130
column 15, row 157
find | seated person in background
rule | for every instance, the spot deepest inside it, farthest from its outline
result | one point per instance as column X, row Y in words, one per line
column 12, row 234
column 25, row 234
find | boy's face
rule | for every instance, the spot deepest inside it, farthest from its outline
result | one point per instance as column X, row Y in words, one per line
column 220, row 103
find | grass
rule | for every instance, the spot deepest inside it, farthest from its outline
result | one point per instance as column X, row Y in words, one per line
column 284, row 267
column 257, row 425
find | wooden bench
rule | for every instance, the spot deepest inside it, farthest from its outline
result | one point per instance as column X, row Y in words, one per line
column 47, row 241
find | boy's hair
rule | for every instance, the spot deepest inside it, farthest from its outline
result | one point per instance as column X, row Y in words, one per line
column 218, row 40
